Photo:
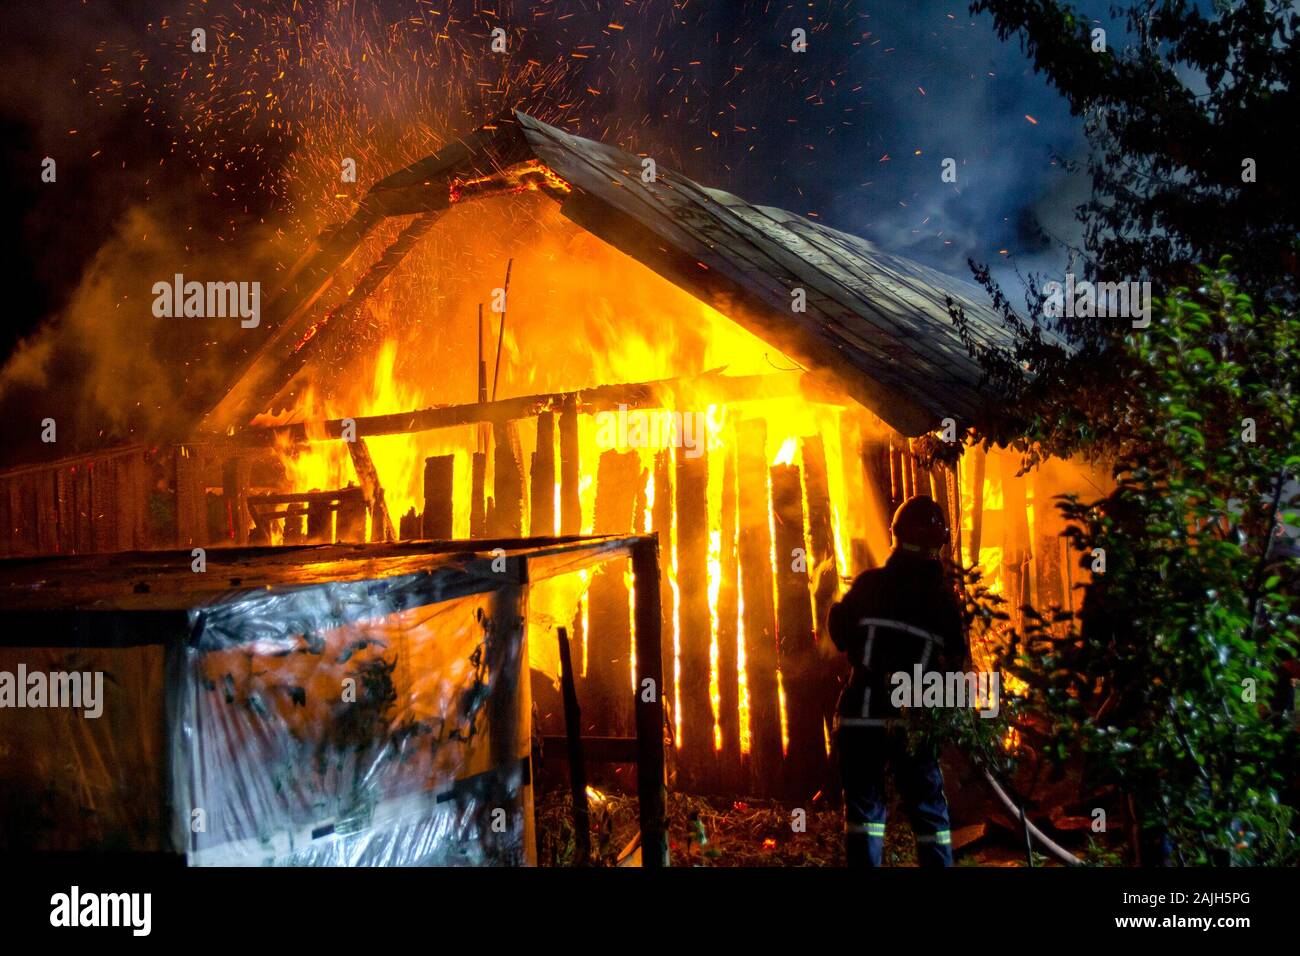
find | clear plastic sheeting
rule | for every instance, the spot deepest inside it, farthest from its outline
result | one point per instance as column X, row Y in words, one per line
column 339, row 705
column 386, row 741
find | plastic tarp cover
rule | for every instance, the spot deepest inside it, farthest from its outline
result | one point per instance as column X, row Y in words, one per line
column 397, row 734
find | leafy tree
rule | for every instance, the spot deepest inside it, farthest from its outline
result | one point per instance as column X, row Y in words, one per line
column 1173, row 680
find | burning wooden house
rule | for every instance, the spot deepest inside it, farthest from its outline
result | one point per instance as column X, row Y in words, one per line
column 531, row 334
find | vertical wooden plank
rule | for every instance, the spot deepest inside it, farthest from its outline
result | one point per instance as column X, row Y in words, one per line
column 1016, row 552
column 320, row 522
column 134, row 495
column 63, row 502
column 570, row 475
column 695, row 622
column 729, row 757
column 828, row 668
column 897, row 479
column 577, row 765
column 541, row 511
column 607, row 685
column 877, row 461
column 662, row 521
column 32, row 506
column 350, row 521
column 439, row 486
column 103, row 504
column 821, row 533
column 84, row 510
column 47, row 511
column 6, row 522
column 191, row 508
column 651, row 794
column 1048, row 526
column 755, row 542
column 477, row 506
column 507, row 483
column 23, row 508
column 979, row 463
column 806, row 753
column 234, row 487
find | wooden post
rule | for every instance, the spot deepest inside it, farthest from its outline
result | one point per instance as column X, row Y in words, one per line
column 729, row 759
column 649, row 706
column 570, row 475
column 577, row 766
column 695, row 622
column 541, row 511
column 760, row 615
column 806, row 757
column 477, row 506
column 507, row 483
column 439, row 485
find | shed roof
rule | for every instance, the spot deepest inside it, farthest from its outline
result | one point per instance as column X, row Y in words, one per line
column 875, row 323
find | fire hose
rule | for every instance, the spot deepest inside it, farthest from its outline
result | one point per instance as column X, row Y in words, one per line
column 1048, row 844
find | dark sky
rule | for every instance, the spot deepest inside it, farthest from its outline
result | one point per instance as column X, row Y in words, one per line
column 853, row 131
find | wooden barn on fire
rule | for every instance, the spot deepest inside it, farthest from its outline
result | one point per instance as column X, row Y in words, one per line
column 790, row 495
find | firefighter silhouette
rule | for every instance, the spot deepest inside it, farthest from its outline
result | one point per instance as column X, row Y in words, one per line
column 892, row 619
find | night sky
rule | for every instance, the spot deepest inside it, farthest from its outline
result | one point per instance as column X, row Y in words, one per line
column 852, row 131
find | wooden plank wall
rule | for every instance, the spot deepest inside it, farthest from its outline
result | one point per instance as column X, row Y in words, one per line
column 77, row 505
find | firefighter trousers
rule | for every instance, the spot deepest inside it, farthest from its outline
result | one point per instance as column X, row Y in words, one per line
column 864, row 754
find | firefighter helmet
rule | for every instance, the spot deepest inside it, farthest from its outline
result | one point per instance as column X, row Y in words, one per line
column 920, row 525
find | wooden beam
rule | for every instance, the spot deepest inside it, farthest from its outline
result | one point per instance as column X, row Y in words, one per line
column 586, row 401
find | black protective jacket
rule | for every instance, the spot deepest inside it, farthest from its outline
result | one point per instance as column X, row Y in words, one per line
column 910, row 589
